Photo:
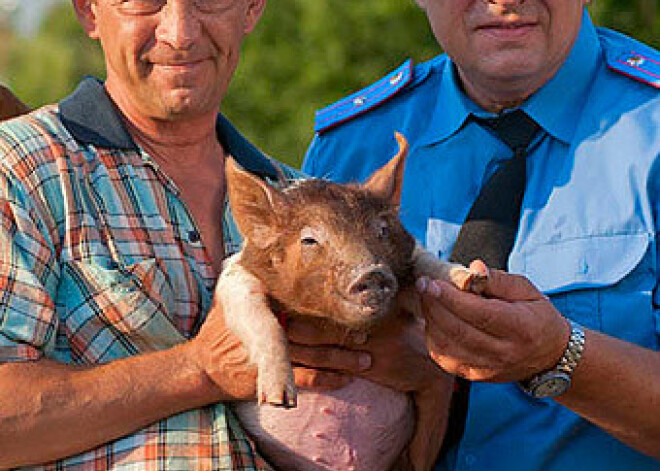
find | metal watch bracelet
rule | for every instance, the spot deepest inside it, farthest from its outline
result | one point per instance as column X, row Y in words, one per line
column 557, row 380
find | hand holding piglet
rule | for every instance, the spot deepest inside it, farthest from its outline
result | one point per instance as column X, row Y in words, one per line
column 510, row 334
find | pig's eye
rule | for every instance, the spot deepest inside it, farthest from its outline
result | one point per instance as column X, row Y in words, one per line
column 311, row 236
column 382, row 229
column 309, row 241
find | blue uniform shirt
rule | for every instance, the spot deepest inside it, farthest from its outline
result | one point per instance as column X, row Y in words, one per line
column 588, row 234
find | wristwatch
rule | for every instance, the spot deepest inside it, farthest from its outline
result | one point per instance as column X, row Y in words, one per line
column 556, row 381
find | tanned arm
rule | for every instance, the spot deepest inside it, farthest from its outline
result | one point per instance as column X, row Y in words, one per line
column 52, row 410
column 516, row 332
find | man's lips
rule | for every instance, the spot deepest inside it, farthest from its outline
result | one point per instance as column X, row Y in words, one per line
column 502, row 30
column 179, row 64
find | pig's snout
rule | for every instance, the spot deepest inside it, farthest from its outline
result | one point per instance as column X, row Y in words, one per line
column 373, row 287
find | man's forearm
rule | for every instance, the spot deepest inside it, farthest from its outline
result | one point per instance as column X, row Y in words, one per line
column 617, row 387
column 432, row 410
column 51, row 410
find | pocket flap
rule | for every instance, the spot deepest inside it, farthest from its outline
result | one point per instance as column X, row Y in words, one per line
column 588, row 262
column 112, row 313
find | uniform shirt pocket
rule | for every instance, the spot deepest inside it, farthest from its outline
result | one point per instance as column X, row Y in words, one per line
column 112, row 312
column 605, row 283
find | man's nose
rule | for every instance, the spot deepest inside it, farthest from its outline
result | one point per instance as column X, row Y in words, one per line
column 179, row 24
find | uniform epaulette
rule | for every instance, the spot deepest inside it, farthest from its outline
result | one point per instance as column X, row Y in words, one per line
column 365, row 99
column 633, row 59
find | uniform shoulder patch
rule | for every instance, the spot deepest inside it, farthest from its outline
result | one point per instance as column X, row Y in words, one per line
column 364, row 100
column 633, row 59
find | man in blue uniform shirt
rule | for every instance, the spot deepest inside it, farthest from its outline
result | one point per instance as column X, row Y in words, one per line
column 547, row 394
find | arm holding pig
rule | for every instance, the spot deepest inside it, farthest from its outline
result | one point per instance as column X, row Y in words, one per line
column 515, row 332
column 65, row 409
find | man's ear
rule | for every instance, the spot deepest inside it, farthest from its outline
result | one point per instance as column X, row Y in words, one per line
column 255, row 9
column 254, row 205
column 86, row 13
column 387, row 181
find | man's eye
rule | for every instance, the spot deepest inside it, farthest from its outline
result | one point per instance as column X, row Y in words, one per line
column 147, row 7
column 139, row 7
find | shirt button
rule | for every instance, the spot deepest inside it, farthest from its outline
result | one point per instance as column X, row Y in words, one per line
column 470, row 460
column 635, row 61
column 396, row 79
column 194, row 237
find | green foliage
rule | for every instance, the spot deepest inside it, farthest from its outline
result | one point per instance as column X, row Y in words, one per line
column 47, row 67
column 304, row 55
column 637, row 18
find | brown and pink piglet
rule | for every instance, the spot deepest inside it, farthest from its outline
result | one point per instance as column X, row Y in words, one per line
column 339, row 253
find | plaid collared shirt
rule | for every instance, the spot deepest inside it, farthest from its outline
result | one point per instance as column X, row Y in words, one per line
column 100, row 260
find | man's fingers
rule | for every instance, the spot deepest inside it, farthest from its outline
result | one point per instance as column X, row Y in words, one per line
column 330, row 358
column 319, row 332
column 464, row 370
column 319, row 380
column 484, row 314
column 459, row 348
column 506, row 286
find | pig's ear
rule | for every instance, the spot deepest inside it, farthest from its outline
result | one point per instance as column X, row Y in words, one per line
column 254, row 204
column 387, row 181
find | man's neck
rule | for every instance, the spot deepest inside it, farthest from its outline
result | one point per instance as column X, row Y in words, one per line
column 496, row 95
column 185, row 137
column 175, row 145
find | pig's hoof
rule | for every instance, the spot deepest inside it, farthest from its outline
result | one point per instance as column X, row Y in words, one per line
column 469, row 280
column 278, row 393
column 475, row 282
column 284, row 399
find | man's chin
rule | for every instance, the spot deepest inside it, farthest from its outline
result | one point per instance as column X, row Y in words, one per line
column 186, row 106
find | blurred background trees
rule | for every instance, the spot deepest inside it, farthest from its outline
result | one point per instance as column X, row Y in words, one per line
column 304, row 55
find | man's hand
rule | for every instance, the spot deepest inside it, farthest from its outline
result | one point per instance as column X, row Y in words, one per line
column 393, row 354
column 221, row 357
column 510, row 334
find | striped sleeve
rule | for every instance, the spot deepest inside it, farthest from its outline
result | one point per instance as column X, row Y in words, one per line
column 28, row 277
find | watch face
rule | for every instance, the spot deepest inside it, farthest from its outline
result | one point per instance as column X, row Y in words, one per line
column 552, row 385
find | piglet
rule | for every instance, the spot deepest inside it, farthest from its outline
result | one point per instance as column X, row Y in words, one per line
column 336, row 252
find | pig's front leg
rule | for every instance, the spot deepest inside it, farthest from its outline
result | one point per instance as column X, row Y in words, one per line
column 248, row 315
column 427, row 264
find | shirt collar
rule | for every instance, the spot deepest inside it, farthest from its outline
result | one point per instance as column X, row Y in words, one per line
column 555, row 106
column 552, row 106
column 452, row 107
column 92, row 118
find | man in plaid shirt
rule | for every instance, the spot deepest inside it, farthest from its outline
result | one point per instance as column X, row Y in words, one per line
column 110, row 244
column 112, row 352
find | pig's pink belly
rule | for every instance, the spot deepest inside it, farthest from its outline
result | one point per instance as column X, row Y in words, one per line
column 361, row 427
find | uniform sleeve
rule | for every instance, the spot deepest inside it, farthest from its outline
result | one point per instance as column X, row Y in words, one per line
column 311, row 163
column 655, row 198
column 324, row 157
column 28, row 279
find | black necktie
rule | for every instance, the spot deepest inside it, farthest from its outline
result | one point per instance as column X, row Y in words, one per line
column 491, row 226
